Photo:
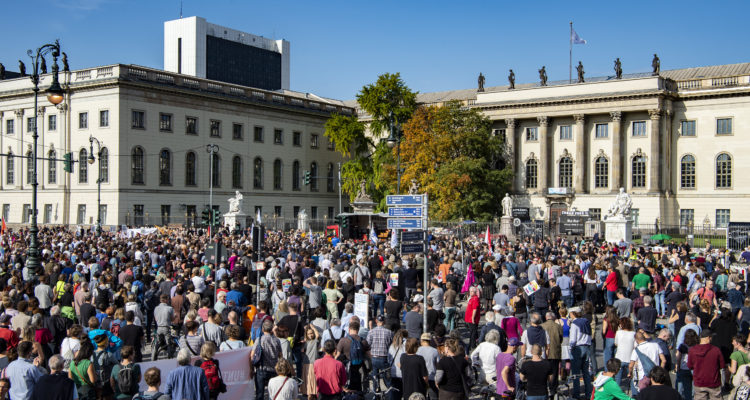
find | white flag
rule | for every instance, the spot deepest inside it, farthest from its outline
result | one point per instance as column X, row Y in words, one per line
column 310, row 236
column 373, row 236
column 394, row 239
column 257, row 218
column 575, row 38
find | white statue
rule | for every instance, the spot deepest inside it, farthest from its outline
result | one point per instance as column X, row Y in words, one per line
column 507, row 204
column 235, row 203
column 302, row 223
column 620, row 208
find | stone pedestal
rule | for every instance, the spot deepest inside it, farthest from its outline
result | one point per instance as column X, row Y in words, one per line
column 232, row 219
column 617, row 229
column 506, row 227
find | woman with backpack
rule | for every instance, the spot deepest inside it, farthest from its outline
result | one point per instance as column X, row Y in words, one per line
column 103, row 361
column 82, row 371
column 126, row 375
column 379, row 286
column 211, row 369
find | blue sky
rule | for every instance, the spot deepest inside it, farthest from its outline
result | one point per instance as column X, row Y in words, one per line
column 339, row 46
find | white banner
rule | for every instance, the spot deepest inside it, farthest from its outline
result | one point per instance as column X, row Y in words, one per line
column 361, row 305
column 235, row 369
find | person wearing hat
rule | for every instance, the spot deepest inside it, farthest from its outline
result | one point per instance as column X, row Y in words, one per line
column 505, row 368
column 431, row 358
column 10, row 336
column 706, row 361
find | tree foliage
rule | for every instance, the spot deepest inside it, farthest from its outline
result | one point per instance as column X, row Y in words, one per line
column 388, row 94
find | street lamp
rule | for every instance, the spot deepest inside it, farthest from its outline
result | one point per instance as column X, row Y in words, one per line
column 394, row 140
column 55, row 95
column 98, row 180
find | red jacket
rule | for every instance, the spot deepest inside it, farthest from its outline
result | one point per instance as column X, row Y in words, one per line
column 706, row 362
column 611, row 282
column 470, row 307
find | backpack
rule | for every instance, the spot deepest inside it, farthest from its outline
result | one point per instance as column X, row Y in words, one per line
column 102, row 297
column 330, row 333
column 213, row 376
column 257, row 355
column 356, row 353
column 102, row 366
column 127, row 380
column 143, row 396
column 378, row 287
column 256, row 329
column 114, row 327
column 536, row 335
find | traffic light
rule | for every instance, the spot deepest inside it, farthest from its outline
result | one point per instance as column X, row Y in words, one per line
column 206, row 216
column 214, row 217
column 344, row 222
column 68, row 162
column 306, row 178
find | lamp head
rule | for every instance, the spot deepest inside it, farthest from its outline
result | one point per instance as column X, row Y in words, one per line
column 91, row 158
column 55, row 94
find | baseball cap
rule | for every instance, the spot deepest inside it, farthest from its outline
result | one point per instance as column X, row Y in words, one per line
column 426, row 336
column 5, row 318
column 381, row 318
column 514, row 342
column 707, row 333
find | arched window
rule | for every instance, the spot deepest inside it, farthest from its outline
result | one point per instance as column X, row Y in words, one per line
column 52, row 167
column 724, row 171
column 565, row 177
column 295, row 175
column 258, row 173
column 216, row 171
column 10, row 169
column 237, row 172
column 278, row 168
column 136, row 166
column 638, row 177
column 83, row 166
column 601, row 172
column 29, row 167
column 531, row 171
column 687, row 172
column 314, row 176
column 104, row 165
column 165, row 167
column 190, row 168
column 329, row 178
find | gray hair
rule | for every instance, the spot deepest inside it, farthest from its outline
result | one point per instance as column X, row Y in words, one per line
column 56, row 363
column 489, row 316
column 492, row 336
column 55, row 310
column 349, row 307
column 690, row 317
column 551, row 316
column 336, row 322
column 648, row 300
column 183, row 357
column 535, row 318
column 36, row 321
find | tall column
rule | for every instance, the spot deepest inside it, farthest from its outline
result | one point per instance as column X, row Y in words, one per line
column 654, row 158
column 20, row 163
column 616, row 150
column 2, row 149
column 666, row 146
column 545, row 167
column 510, row 138
column 39, row 122
column 581, row 162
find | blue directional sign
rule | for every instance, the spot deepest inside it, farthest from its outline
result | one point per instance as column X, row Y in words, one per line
column 405, row 212
column 404, row 223
column 404, row 200
column 412, row 248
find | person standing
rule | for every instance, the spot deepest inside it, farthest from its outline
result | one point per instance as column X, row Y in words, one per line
column 379, row 339
column 126, row 369
column 660, row 388
column 56, row 385
column 414, row 373
column 330, row 374
column 283, row 386
column 471, row 317
column 536, row 373
column 645, row 355
column 452, row 371
column 505, row 364
column 270, row 349
column 353, row 350
column 431, row 357
column 706, row 361
column 554, row 352
column 23, row 373
column 605, row 387
column 450, row 306
column 186, row 381
column 580, row 342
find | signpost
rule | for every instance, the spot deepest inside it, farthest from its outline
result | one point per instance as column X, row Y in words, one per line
column 406, row 200
column 413, row 236
column 407, row 212
column 406, row 223
column 413, row 248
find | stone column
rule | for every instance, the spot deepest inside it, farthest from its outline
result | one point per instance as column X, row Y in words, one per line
column 20, row 163
column 616, row 150
column 510, row 138
column 2, row 147
column 654, row 156
column 666, row 168
column 545, row 167
column 41, row 176
column 581, row 162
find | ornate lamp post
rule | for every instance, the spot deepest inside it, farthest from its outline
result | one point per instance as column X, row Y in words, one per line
column 98, row 180
column 394, row 140
column 55, row 95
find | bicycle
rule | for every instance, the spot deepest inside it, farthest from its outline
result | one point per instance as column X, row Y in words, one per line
column 171, row 345
column 373, row 383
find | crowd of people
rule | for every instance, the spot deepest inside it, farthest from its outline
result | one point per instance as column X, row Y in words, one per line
column 524, row 316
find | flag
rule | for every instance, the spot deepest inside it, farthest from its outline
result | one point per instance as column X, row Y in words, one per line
column 394, row 239
column 257, row 218
column 310, row 236
column 373, row 236
column 3, row 227
column 574, row 38
column 487, row 238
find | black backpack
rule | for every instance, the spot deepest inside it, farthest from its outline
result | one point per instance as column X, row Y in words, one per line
column 102, row 297
column 127, row 379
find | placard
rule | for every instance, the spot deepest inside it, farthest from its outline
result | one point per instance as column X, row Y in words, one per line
column 286, row 284
column 531, row 288
column 260, row 266
column 361, row 307
column 394, row 279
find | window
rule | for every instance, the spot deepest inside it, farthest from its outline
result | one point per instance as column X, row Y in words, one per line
column 258, row 210
column 313, row 176
column 601, row 131
column 29, row 167
column 138, row 214
column 277, row 170
column 531, row 171
column 6, row 211
column 532, row 134
column 277, row 211
column 190, row 168
column 595, row 214
column 166, row 212
column 83, row 166
column 104, row 165
column 295, row 175
column 139, row 120
column 331, row 144
column 724, row 126
column 687, row 172
column 52, row 123
column 635, row 213
column 724, row 171
column 165, row 122
column 295, row 211
column 136, row 166
column 330, row 212
column 329, row 178
column 191, row 125
column 638, row 172
column 565, row 178
column 313, row 212
column 190, row 210
column 278, row 136
column 237, row 172
column 215, row 128
column 296, row 139
column 103, row 213
column 30, row 123
column 104, row 118
column 81, row 218
column 26, row 213
column 165, row 167
column 52, row 167
column 687, row 128
column 566, row 132
column 237, row 131
column 601, row 172
column 9, row 127
column 47, row 214
column 10, row 169
column 722, row 217
column 258, row 173
column 639, row 128
column 258, row 134
column 314, row 141
column 216, row 171
column 686, row 216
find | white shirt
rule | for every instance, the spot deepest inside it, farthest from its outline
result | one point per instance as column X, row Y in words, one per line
column 283, row 388
column 486, row 354
column 650, row 350
column 199, row 283
column 624, row 341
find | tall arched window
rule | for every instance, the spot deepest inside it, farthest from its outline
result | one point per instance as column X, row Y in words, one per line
column 29, row 167
column 278, row 168
column 295, row 175
column 104, row 165
column 724, row 171
column 10, row 169
column 314, row 176
column 165, row 167
column 83, row 166
column 531, row 172
column 601, row 172
column 136, row 166
column 190, row 168
column 638, row 173
column 565, row 177
column 52, row 167
column 687, row 172
column 237, row 172
column 216, row 171
column 258, row 173
column 329, row 178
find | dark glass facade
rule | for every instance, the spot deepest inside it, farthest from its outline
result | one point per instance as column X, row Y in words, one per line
column 237, row 63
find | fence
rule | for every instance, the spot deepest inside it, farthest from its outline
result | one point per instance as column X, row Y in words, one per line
column 694, row 235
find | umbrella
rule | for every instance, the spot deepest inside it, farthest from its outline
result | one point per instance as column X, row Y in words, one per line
column 661, row 236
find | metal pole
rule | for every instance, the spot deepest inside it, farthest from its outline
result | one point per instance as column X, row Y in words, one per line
column 398, row 166
column 92, row 139
column 340, row 209
column 33, row 260
column 426, row 278
column 211, row 149
column 570, row 58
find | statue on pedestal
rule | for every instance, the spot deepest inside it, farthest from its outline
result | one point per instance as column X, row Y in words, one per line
column 579, row 68
column 235, row 203
column 21, row 68
column 414, row 187
column 302, row 223
column 618, row 68
column 2, row 71
column 507, row 204
column 66, row 67
column 543, row 76
column 620, row 208
column 480, row 83
column 656, row 65
column 512, row 80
